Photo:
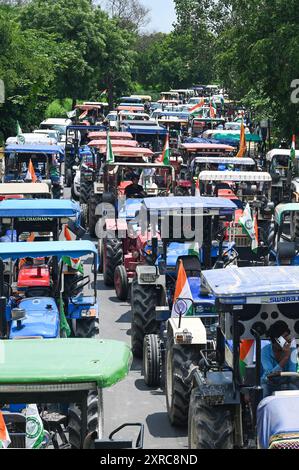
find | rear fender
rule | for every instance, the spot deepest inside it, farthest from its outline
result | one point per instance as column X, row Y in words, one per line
column 82, row 311
column 149, row 275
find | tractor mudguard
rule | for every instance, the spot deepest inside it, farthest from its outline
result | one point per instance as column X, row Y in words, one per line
column 191, row 331
column 216, row 388
column 82, row 307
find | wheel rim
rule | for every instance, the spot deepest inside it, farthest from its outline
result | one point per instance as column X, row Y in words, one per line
column 169, row 378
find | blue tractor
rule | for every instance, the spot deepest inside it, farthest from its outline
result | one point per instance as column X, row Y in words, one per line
column 227, row 407
column 46, row 161
column 154, row 285
column 283, row 238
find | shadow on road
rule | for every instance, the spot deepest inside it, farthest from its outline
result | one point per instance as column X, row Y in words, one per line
column 159, row 426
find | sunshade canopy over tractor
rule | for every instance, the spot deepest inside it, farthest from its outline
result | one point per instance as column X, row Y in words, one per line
column 82, row 127
column 283, row 209
column 128, row 151
column 198, row 147
column 39, row 208
column 236, row 176
column 24, row 188
column 114, row 143
column 231, row 285
column 58, row 361
column 36, row 149
column 225, row 160
column 280, row 152
column 151, row 130
column 178, row 203
column 74, row 249
column 113, row 135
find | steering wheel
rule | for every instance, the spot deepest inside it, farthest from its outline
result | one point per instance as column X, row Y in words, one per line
column 162, row 192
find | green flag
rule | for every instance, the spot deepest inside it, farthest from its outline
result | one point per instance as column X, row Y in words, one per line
column 109, row 151
column 64, row 326
column 165, row 157
column 20, row 137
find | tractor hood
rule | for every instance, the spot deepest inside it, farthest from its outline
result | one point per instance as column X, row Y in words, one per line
column 42, row 319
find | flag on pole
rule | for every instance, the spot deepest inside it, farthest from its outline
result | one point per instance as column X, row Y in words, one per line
column 104, row 92
column 194, row 249
column 20, row 137
column 35, row 432
column 30, row 175
column 109, row 150
column 293, row 150
column 182, row 291
column 242, row 147
column 197, row 187
column 250, row 226
column 212, row 110
column 74, row 263
column 83, row 115
column 246, row 354
column 165, row 156
column 197, row 106
column 4, row 436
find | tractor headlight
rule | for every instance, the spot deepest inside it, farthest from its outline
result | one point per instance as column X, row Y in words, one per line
column 184, row 337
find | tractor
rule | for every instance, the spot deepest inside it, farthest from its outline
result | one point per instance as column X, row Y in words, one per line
column 153, row 286
column 278, row 163
column 228, row 407
column 243, row 187
column 283, row 239
column 46, row 161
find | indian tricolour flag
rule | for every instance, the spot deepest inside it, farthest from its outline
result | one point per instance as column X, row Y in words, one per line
column 165, row 156
column 109, row 151
column 74, row 263
column 246, row 354
column 4, row 436
column 293, row 150
column 250, row 226
column 183, row 292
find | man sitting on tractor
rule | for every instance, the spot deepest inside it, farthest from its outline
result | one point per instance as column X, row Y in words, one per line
column 279, row 356
column 134, row 189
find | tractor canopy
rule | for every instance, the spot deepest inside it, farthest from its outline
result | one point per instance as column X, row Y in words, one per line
column 206, row 148
column 82, row 127
column 254, row 285
column 25, row 189
column 283, row 209
column 279, row 153
column 73, row 249
column 150, row 130
column 224, row 161
column 35, row 149
column 54, row 208
column 113, row 135
column 252, row 176
column 209, row 205
column 103, row 362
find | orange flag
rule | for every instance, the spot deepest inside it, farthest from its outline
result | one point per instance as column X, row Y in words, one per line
column 243, row 148
column 31, row 173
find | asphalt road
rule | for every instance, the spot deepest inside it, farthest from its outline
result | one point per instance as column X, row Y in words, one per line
column 131, row 400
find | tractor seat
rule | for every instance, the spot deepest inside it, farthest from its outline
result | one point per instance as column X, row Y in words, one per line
column 33, row 276
column 191, row 265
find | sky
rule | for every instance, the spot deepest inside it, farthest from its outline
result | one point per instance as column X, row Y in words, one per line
column 162, row 15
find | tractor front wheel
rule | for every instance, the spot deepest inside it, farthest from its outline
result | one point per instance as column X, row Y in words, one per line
column 121, row 283
column 75, row 420
column 209, row 427
column 93, row 201
column 87, row 328
column 152, row 360
column 177, row 391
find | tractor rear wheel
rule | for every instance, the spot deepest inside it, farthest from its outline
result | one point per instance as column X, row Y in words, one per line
column 93, row 201
column 121, row 283
column 152, row 360
column 84, row 215
column 113, row 257
column 100, row 254
column 75, row 422
column 143, row 305
column 209, row 427
column 68, row 177
column 177, row 391
column 85, row 191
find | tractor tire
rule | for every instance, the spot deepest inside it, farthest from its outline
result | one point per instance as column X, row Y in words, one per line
column 68, row 177
column 73, row 194
column 209, row 427
column 84, row 215
column 93, row 201
column 85, row 191
column 74, row 420
column 177, row 391
column 121, row 282
column 87, row 328
column 296, row 225
column 100, row 255
column 152, row 360
column 143, row 322
column 113, row 257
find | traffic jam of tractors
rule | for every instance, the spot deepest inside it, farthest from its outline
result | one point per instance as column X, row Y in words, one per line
column 183, row 212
